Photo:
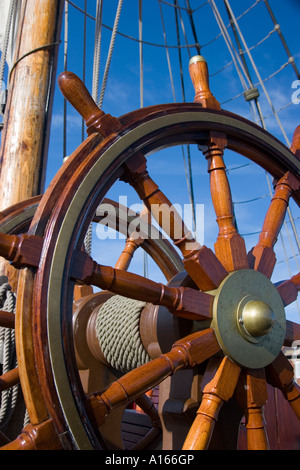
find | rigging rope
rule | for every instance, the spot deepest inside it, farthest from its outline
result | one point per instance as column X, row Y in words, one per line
column 11, row 12
column 66, row 33
column 84, row 63
column 8, row 353
column 110, row 52
column 257, row 104
column 145, row 255
column 190, row 13
column 141, row 53
column 257, row 73
column 97, row 50
column 238, row 34
column 188, row 164
column 277, row 28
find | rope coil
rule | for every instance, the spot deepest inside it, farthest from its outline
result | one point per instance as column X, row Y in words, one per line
column 8, row 357
column 117, row 330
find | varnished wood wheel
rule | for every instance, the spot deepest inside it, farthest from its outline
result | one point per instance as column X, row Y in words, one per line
column 229, row 286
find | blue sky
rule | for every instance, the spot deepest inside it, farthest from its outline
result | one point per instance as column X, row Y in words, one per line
column 122, row 94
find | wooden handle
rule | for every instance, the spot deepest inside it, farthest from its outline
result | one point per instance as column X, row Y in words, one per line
column 75, row 91
column 200, row 77
column 79, row 97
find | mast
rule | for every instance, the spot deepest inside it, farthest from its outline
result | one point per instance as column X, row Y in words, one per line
column 25, row 135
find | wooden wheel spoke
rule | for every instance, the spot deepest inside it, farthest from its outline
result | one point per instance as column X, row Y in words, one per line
column 132, row 243
column 9, row 379
column 188, row 352
column 288, row 290
column 262, row 256
column 205, row 269
column 219, row 383
column 41, row 436
column 181, row 301
column 230, row 247
column 23, row 250
column 7, row 319
column 292, row 333
column 280, row 374
column 251, row 395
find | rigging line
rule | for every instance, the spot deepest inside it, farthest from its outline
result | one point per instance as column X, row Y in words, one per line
column 283, row 66
column 84, row 64
column 279, row 109
column 200, row 6
column 110, row 52
column 97, row 50
column 81, row 10
column 257, row 74
column 256, row 105
column 241, row 52
column 178, row 7
column 145, row 255
column 188, row 165
column 219, row 35
column 167, row 52
column 235, row 30
column 284, row 261
column 232, row 51
column 250, row 48
column 10, row 16
column 277, row 27
column 36, row 49
column 189, row 10
column 183, row 31
column 259, row 109
column 66, row 33
column 127, row 36
column 248, row 9
column 89, row 233
column 235, row 57
column 245, row 66
column 291, row 244
column 238, row 167
column 148, row 43
column 251, row 200
column 179, row 51
column 141, row 54
column 256, row 84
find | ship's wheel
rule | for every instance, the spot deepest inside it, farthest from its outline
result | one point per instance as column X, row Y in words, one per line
column 230, row 318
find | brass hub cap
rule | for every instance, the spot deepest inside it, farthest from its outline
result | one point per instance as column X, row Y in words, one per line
column 249, row 318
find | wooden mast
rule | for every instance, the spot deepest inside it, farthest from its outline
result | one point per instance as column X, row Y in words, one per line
column 25, row 136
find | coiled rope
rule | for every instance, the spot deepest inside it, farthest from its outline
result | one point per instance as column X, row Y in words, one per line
column 8, row 356
column 117, row 330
